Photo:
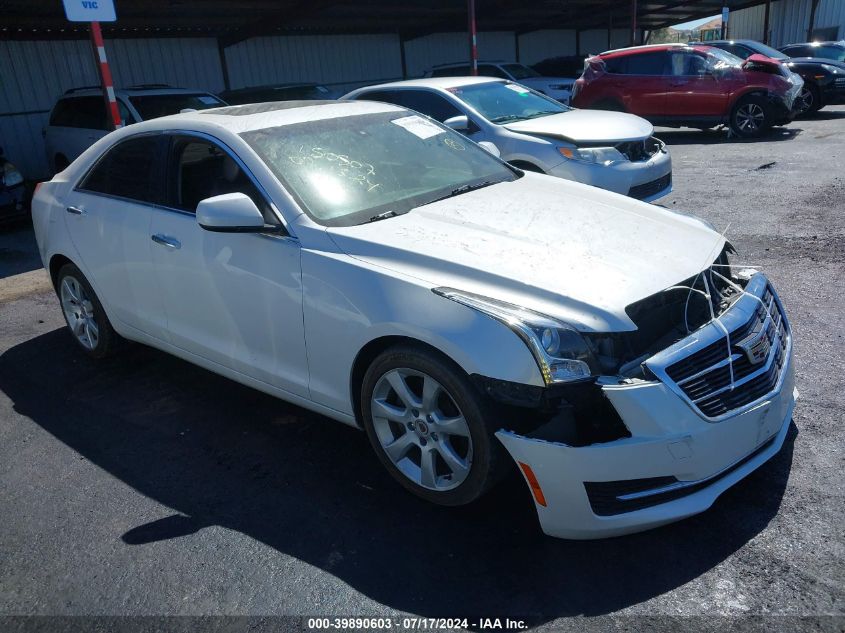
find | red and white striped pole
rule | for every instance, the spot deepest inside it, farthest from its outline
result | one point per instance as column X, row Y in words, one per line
column 473, row 39
column 105, row 74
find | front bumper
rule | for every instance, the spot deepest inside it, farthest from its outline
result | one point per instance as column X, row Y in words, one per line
column 677, row 460
column 13, row 203
column 834, row 92
column 646, row 180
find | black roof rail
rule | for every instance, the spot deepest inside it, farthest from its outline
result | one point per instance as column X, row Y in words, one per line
column 80, row 88
column 147, row 86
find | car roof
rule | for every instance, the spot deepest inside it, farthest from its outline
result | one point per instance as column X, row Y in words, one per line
column 132, row 91
column 840, row 44
column 271, row 87
column 634, row 50
column 480, row 61
column 256, row 116
column 442, row 83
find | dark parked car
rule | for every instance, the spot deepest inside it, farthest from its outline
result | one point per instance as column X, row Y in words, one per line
column 824, row 79
column 281, row 92
column 12, row 192
column 566, row 66
column 691, row 86
column 825, row 50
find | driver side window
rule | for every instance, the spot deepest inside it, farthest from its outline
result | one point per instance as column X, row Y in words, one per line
column 200, row 169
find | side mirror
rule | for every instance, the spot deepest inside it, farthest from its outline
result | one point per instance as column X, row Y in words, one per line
column 458, row 123
column 491, row 147
column 231, row 213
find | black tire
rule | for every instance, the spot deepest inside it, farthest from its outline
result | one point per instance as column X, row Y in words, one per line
column 60, row 163
column 487, row 457
column 751, row 117
column 107, row 340
column 811, row 98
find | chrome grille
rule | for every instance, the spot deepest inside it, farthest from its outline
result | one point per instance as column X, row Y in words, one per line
column 839, row 82
column 699, row 368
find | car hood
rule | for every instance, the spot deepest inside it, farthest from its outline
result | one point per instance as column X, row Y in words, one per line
column 814, row 60
column 587, row 126
column 561, row 248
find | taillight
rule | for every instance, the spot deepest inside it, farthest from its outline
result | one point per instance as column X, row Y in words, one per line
column 37, row 187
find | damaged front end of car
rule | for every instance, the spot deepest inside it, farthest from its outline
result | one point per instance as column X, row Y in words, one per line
column 670, row 415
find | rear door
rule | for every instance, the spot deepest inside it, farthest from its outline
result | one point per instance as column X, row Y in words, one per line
column 639, row 81
column 694, row 90
column 75, row 125
column 108, row 218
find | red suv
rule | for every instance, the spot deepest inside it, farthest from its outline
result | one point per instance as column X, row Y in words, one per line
column 691, row 86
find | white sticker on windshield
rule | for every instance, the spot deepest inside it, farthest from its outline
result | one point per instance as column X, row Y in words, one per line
column 517, row 88
column 418, row 126
column 208, row 100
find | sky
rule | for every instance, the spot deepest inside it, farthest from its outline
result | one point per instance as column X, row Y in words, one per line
column 686, row 26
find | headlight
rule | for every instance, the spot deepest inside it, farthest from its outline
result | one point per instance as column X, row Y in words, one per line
column 598, row 155
column 11, row 175
column 831, row 69
column 560, row 351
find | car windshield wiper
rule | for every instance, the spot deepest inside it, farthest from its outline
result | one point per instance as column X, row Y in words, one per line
column 543, row 113
column 465, row 189
column 507, row 117
column 385, row 215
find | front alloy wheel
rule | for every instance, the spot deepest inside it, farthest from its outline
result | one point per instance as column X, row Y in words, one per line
column 430, row 426
column 421, row 429
column 750, row 118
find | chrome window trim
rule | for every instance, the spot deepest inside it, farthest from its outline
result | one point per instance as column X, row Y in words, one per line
column 736, row 315
column 177, row 132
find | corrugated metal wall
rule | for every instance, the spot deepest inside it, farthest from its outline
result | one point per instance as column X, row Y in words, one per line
column 788, row 21
column 34, row 74
column 341, row 61
column 442, row 48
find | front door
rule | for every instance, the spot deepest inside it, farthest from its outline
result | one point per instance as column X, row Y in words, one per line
column 694, row 90
column 232, row 298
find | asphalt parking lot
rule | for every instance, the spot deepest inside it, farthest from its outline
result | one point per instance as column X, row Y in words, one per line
column 143, row 485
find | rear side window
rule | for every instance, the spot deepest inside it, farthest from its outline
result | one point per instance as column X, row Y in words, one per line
column 799, row 51
column 647, row 64
column 130, row 169
column 81, row 112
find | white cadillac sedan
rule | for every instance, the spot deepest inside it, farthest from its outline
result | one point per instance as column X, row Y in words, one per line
column 369, row 264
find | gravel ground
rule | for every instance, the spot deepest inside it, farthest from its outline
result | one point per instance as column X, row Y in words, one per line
column 143, row 485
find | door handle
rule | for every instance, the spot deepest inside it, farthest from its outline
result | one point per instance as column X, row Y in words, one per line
column 75, row 210
column 164, row 240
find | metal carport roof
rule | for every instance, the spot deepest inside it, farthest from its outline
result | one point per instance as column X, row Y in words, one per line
column 237, row 20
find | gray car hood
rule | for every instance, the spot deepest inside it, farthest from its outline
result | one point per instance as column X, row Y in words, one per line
column 587, row 126
column 565, row 249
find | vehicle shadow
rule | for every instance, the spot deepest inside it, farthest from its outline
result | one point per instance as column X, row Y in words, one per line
column 713, row 137
column 826, row 114
column 221, row 454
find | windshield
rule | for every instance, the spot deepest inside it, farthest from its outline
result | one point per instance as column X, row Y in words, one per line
column 501, row 102
column 154, row 106
column 830, row 52
column 348, row 170
column 768, row 51
column 520, row 71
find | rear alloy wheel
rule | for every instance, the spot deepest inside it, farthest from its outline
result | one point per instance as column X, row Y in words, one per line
column 84, row 313
column 808, row 101
column 427, row 424
column 750, row 117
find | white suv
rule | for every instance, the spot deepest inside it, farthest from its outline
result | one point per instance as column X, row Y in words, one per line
column 559, row 88
column 80, row 117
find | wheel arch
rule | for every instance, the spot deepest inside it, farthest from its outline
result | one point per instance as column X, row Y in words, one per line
column 370, row 351
column 56, row 262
